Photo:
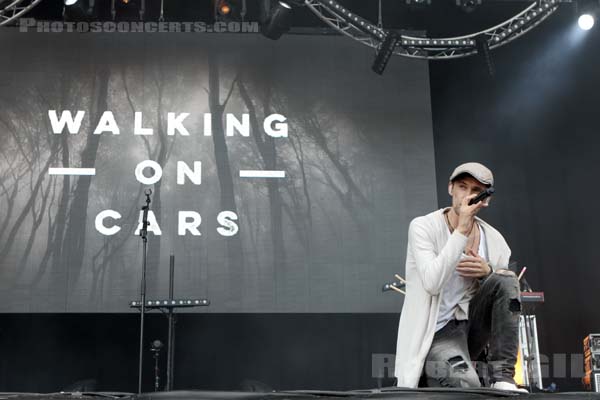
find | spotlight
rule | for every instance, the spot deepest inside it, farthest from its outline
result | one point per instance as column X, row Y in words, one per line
column 586, row 21
column 229, row 10
column 77, row 10
column 386, row 50
column 587, row 11
column 278, row 21
column 224, row 8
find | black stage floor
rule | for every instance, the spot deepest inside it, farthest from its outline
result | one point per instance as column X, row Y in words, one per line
column 386, row 393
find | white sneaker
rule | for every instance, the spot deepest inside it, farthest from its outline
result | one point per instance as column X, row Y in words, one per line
column 508, row 386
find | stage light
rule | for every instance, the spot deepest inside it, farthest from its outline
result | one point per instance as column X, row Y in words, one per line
column 76, row 10
column 587, row 11
column 586, row 22
column 278, row 21
column 483, row 49
column 224, row 8
column 159, row 304
column 229, row 10
column 386, row 50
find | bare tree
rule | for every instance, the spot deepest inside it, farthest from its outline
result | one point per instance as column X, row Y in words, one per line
column 9, row 183
column 37, row 217
column 57, row 234
column 217, row 109
column 75, row 235
column 29, row 149
column 268, row 153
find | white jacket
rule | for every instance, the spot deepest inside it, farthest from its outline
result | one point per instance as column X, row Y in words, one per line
column 431, row 257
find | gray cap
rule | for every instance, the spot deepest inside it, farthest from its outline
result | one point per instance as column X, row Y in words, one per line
column 476, row 170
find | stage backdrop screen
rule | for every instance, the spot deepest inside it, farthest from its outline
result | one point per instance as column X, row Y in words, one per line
column 284, row 174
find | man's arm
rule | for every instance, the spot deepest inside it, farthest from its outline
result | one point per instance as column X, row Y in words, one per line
column 434, row 269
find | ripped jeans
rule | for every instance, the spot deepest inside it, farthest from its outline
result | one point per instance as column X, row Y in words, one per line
column 493, row 319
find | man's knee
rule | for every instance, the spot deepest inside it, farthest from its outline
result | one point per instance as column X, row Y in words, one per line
column 454, row 372
column 508, row 286
column 462, row 373
column 505, row 279
column 505, row 272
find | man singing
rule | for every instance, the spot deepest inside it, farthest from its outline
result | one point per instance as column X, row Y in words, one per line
column 459, row 295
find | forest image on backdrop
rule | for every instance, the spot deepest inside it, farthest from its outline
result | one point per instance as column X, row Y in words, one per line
column 358, row 159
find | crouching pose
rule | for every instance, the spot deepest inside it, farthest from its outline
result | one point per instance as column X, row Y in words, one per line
column 460, row 298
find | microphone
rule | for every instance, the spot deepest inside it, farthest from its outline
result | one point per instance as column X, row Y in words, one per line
column 145, row 222
column 145, row 209
column 483, row 195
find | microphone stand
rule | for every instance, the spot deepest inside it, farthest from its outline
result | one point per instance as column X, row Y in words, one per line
column 144, row 236
column 171, row 318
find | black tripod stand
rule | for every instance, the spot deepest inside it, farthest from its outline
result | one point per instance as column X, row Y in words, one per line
column 144, row 236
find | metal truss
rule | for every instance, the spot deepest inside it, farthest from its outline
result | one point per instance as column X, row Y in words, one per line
column 363, row 31
column 10, row 10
